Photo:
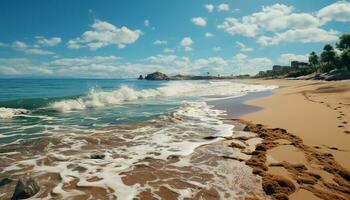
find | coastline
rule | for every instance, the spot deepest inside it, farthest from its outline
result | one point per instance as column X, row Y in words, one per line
column 304, row 127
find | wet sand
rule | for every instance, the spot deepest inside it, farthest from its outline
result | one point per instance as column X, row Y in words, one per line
column 306, row 139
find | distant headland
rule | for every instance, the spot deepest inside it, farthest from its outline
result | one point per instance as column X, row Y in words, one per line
column 156, row 76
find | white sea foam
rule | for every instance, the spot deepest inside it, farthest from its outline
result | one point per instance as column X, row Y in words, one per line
column 95, row 99
column 179, row 132
column 11, row 112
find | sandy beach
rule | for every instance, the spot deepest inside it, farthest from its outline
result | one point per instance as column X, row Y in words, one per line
column 306, row 132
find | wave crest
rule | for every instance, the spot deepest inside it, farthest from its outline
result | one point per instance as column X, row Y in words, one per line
column 11, row 112
column 95, row 99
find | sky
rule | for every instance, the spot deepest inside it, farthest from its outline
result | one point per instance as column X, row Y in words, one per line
column 126, row 38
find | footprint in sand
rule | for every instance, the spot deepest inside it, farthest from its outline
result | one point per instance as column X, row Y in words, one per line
column 347, row 132
column 340, row 126
column 344, row 122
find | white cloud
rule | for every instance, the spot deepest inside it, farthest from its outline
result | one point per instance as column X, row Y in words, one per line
column 163, row 58
column 21, row 66
column 274, row 18
column 199, row 21
column 186, row 41
column 234, row 27
column 288, row 57
column 48, row 42
column 168, row 50
column 240, row 56
column 146, row 23
column 339, row 11
column 160, row 42
column 223, row 7
column 105, row 34
column 216, row 49
column 242, row 47
column 78, row 61
column 209, row 7
column 21, row 46
column 248, row 65
column 188, row 49
column 309, row 35
column 208, row 35
column 38, row 52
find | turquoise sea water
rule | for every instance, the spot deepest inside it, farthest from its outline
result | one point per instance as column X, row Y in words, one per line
column 36, row 95
column 30, row 108
column 56, row 126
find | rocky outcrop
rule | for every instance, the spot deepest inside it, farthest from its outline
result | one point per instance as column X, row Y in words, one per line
column 26, row 187
column 157, row 76
column 140, row 77
column 334, row 75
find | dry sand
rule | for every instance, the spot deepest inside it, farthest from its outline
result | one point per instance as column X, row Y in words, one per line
column 313, row 153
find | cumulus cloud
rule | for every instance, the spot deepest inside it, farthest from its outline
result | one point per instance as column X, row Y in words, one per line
column 21, row 46
column 209, row 7
column 168, row 50
column 242, row 47
column 339, row 11
column 186, row 41
column 160, row 42
column 48, row 41
column 199, row 21
column 223, row 7
column 308, row 35
column 104, row 34
column 188, row 49
column 233, row 26
column 272, row 18
column 288, row 57
column 208, row 35
column 250, row 65
column 279, row 23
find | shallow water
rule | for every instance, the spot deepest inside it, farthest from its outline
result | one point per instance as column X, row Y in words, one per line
column 149, row 134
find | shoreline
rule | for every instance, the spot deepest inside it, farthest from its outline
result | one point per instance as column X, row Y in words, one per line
column 312, row 164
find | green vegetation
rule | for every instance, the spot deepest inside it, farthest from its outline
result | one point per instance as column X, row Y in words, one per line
column 330, row 64
column 329, row 59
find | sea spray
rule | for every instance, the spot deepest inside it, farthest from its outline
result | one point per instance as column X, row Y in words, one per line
column 11, row 112
column 95, row 98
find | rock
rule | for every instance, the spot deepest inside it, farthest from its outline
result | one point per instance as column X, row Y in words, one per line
column 5, row 181
column 97, row 156
column 26, row 187
column 140, row 77
column 157, row 76
column 210, row 137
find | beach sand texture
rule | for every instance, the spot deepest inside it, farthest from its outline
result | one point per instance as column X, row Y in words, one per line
column 313, row 149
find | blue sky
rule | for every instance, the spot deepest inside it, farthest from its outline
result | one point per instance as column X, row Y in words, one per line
column 113, row 39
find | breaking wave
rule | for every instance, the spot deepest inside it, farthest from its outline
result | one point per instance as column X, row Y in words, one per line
column 11, row 112
column 95, row 98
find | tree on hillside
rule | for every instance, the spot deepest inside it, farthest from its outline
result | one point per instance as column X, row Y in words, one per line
column 344, row 46
column 344, row 42
column 328, row 58
column 328, row 54
column 345, row 58
column 313, row 59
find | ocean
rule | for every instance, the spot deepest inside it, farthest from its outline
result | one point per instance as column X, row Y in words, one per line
column 54, row 129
